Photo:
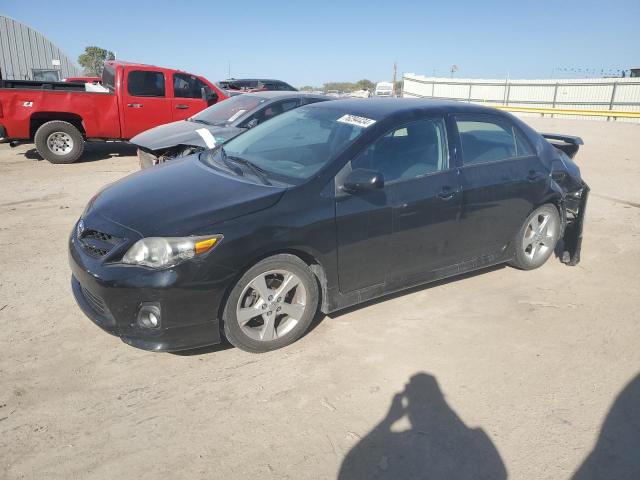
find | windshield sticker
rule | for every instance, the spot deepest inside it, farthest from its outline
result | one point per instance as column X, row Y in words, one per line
column 357, row 121
column 236, row 115
column 209, row 141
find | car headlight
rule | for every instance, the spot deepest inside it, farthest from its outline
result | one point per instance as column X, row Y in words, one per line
column 163, row 252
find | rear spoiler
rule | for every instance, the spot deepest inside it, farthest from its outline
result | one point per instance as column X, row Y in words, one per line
column 567, row 143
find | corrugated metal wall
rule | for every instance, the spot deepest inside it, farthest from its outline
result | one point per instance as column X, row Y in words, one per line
column 23, row 49
column 622, row 94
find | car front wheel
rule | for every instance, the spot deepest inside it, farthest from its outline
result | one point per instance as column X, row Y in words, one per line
column 272, row 305
column 536, row 240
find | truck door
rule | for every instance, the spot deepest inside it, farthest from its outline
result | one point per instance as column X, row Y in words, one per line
column 187, row 96
column 145, row 102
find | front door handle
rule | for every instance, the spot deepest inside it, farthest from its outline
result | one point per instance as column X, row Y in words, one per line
column 134, row 105
column 182, row 106
column 533, row 176
column 447, row 193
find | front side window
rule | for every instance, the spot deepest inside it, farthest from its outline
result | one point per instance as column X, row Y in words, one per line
column 145, row 83
column 486, row 139
column 293, row 146
column 187, row 86
column 410, row 151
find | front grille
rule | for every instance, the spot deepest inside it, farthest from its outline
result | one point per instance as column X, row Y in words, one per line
column 97, row 244
column 95, row 301
column 95, row 252
column 94, row 234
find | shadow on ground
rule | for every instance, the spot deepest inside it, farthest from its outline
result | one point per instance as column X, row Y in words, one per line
column 94, row 151
column 617, row 451
column 437, row 445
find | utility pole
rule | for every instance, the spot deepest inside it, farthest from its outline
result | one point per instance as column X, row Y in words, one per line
column 395, row 70
column 228, row 68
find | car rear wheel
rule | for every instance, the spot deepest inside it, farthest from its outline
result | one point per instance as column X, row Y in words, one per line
column 537, row 238
column 272, row 305
column 59, row 142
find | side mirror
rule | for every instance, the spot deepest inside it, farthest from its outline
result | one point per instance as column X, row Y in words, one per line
column 208, row 95
column 252, row 123
column 362, row 180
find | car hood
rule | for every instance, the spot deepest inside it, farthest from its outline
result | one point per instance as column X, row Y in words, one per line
column 179, row 198
column 182, row 132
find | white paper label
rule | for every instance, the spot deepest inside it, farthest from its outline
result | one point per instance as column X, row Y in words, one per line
column 357, row 121
column 209, row 141
column 236, row 115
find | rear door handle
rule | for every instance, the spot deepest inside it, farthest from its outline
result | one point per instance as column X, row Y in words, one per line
column 134, row 105
column 447, row 193
column 182, row 106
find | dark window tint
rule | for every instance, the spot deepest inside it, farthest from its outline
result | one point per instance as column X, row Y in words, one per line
column 187, row 86
column 489, row 140
column 275, row 109
column 411, row 151
column 310, row 100
column 145, row 83
column 109, row 77
column 523, row 147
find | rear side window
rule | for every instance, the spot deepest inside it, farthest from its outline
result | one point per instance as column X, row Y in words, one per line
column 488, row 140
column 187, row 86
column 145, row 83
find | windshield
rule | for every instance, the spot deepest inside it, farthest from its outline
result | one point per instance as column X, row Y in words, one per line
column 226, row 112
column 294, row 146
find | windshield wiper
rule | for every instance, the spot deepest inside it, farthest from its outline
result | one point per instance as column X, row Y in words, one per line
column 230, row 166
column 197, row 120
column 258, row 171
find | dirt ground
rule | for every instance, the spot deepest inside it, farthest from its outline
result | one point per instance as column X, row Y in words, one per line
column 502, row 373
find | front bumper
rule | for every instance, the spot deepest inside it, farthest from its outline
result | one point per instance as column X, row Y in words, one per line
column 112, row 295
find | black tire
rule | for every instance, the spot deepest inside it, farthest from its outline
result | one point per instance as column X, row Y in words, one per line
column 523, row 258
column 235, row 334
column 65, row 130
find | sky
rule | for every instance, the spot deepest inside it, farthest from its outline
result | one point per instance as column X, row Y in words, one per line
column 310, row 43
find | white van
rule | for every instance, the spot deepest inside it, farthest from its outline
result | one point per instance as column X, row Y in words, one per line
column 384, row 89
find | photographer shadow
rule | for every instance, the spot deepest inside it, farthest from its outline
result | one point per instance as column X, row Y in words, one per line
column 438, row 445
column 617, row 451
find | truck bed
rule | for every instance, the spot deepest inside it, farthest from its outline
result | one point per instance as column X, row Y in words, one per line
column 40, row 85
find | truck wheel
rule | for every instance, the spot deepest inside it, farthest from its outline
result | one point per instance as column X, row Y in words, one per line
column 59, row 142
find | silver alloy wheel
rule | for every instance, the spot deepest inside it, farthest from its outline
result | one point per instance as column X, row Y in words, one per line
column 271, row 305
column 539, row 236
column 60, row 143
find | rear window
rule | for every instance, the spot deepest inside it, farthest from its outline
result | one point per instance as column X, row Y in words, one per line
column 145, row 83
column 109, row 77
column 227, row 112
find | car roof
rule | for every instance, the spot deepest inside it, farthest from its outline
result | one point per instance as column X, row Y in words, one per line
column 381, row 108
column 283, row 95
column 253, row 80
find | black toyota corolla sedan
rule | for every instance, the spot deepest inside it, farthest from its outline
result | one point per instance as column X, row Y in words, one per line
column 321, row 208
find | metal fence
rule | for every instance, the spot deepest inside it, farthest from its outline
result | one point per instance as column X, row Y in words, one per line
column 582, row 98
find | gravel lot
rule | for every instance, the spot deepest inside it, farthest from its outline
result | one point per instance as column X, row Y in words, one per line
column 501, row 373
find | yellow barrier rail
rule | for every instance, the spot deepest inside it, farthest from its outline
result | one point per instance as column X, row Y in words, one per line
column 569, row 111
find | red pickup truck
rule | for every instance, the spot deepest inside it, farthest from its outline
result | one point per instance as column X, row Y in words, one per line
column 60, row 116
